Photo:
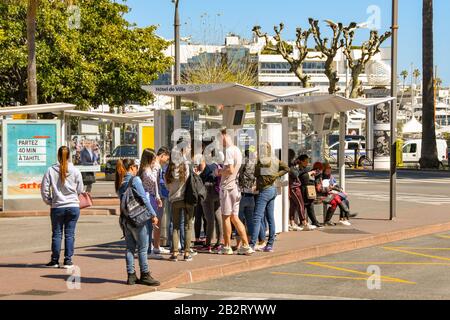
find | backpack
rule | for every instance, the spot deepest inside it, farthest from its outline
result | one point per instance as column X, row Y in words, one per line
column 195, row 192
column 132, row 208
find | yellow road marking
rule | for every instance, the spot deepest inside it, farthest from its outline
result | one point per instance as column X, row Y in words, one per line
column 318, row 264
column 444, row 236
column 312, row 275
column 422, row 248
column 417, row 254
column 389, row 263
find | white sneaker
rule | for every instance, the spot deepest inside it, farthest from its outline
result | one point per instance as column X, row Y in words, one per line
column 156, row 256
column 296, row 228
column 245, row 250
column 312, row 227
column 226, row 251
column 309, row 227
column 161, row 250
column 346, row 223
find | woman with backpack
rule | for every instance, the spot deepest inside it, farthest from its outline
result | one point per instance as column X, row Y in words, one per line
column 176, row 179
column 60, row 188
column 136, row 237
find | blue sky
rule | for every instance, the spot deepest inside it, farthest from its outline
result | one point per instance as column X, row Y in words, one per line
column 210, row 20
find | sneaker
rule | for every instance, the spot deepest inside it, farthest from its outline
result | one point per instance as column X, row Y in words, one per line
column 342, row 222
column 268, row 249
column 346, row 223
column 155, row 256
column 147, row 280
column 217, row 247
column 226, row 251
column 161, row 250
column 318, row 225
column 247, row 250
column 68, row 264
column 205, row 249
column 309, row 227
column 173, row 258
column 295, row 228
column 188, row 258
column 132, row 279
column 329, row 224
column 53, row 264
column 193, row 252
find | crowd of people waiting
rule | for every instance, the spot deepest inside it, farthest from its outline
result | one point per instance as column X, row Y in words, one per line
column 226, row 192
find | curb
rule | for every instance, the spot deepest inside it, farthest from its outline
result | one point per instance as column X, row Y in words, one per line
column 276, row 259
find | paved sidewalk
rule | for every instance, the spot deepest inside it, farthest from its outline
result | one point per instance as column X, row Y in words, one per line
column 103, row 272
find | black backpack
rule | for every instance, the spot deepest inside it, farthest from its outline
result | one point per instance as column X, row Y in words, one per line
column 132, row 207
column 195, row 191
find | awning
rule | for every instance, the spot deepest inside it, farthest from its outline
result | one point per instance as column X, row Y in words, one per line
column 324, row 104
column 37, row 108
column 226, row 94
column 412, row 126
column 121, row 118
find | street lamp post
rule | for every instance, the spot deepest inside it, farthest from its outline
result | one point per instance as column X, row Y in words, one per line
column 393, row 171
column 177, row 78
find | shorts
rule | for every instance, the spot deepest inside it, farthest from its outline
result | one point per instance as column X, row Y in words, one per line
column 229, row 201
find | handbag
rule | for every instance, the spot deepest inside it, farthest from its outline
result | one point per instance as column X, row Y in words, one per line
column 311, row 192
column 85, row 200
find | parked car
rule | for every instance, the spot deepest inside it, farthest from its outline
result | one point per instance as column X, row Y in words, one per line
column 412, row 150
column 120, row 152
column 350, row 147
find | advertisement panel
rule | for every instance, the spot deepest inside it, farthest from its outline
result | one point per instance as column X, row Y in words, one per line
column 30, row 147
column 146, row 137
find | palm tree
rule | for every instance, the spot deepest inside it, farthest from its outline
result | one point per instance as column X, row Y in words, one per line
column 404, row 75
column 416, row 75
column 31, row 45
column 429, row 157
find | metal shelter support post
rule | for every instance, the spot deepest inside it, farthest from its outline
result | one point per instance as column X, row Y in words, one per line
column 258, row 125
column 341, row 156
column 62, row 118
column 393, row 173
column 177, row 78
column 285, row 158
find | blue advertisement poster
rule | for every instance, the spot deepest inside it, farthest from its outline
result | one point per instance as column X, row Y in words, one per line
column 30, row 147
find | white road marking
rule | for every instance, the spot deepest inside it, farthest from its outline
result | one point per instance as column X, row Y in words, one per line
column 159, row 295
column 406, row 197
column 399, row 181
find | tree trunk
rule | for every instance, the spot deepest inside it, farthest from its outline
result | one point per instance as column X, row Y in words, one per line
column 332, row 77
column 31, row 44
column 354, row 92
column 429, row 158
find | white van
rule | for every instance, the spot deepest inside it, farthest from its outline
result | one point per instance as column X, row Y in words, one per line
column 412, row 151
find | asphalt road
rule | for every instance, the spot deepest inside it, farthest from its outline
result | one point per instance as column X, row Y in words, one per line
column 411, row 269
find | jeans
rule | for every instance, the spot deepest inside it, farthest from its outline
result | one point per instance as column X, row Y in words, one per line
column 211, row 211
column 179, row 209
column 199, row 221
column 63, row 219
column 170, row 227
column 137, row 238
column 154, row 205
column 246, row 212
column 265, row 206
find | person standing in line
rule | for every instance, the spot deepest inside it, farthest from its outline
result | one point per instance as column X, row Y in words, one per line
column 211, row 204
column 296, row 201
column 307, row 177
column 148, row 172
column 135, row 237
column 268, row 169
column 247, row 186
column 60, row 188
column 176, row 179
column 230, row 196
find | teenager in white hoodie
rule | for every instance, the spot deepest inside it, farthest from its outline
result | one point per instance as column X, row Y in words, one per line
column 60, row 188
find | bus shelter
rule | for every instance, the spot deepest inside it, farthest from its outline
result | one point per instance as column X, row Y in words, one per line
column 233, row 96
